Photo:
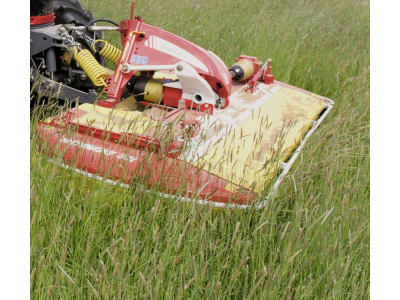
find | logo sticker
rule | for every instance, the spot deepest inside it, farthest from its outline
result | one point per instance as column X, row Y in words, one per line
column 139, row 60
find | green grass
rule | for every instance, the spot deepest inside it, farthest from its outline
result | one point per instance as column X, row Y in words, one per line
column 91, row 240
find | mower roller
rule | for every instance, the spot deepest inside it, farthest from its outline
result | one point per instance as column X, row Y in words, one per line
column 175, row 118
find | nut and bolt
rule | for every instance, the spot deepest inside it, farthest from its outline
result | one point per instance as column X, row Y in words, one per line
column 220, row 103
column 125, row 69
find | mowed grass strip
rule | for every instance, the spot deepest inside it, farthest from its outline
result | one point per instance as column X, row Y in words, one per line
column 92, row 240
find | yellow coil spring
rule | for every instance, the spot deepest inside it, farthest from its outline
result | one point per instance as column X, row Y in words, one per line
column 91, row 66
column 109, row 51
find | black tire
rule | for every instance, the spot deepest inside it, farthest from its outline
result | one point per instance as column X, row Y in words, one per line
column 41, row 7
column 71, row 11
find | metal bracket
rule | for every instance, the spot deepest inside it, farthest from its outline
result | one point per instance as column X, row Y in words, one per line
column 51, row 88
column 194, row 87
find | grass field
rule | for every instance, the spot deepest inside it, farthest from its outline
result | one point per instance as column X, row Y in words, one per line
column 91, row 240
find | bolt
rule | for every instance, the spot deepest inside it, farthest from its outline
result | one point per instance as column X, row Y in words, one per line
column 83, row 76
column 220, row 103
column 179, row 68
column 125, row 69
column 61, row 29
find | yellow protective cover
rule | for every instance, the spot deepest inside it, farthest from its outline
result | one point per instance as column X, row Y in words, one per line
column 114, row 120
column 250, row 155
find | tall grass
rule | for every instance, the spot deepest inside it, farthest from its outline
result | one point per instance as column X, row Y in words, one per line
column 91, row 240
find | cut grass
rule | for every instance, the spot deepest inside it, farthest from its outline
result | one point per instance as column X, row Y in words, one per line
column 91, row 240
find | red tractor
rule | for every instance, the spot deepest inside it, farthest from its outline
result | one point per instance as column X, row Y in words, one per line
column 53, row 71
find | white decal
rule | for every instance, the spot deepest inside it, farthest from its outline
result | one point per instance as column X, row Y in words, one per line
column 97, row 149
column 162, row 45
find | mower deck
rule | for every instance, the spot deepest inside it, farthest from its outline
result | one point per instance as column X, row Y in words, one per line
column 226, row 159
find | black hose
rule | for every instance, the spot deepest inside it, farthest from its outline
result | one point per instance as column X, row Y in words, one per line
column 85, row 30
column 99, row 20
